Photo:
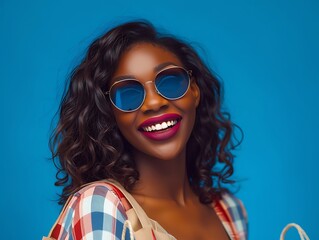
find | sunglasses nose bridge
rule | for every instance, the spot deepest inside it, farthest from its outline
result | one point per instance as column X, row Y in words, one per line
column 148, row 82
column 153, row 100
column 151, row 88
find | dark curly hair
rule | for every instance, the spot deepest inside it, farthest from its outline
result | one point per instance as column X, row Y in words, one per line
column 86, row 145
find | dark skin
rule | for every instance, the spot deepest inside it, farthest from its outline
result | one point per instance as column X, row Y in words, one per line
column 163, row 190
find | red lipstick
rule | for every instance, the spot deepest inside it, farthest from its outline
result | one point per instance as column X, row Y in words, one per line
column 162, row 127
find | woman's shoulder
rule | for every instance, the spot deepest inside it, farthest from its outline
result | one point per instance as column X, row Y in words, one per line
column 93, row 209
column 233, row 213
column 232, row 203
column 98, row 188
column 100, row 196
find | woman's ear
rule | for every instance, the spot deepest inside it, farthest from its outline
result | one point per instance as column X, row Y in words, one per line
column 196, row 92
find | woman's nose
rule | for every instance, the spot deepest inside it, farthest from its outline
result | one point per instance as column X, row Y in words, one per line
column 153, row 101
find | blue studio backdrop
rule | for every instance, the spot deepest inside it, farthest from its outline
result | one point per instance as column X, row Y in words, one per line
column 265, row 51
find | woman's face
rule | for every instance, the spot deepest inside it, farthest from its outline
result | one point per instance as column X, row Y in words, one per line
column 176, row 117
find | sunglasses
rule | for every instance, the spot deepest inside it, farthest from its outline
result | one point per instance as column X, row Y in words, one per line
column 128, row 95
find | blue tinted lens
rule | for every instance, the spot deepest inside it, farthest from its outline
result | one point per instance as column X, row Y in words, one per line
column 127, row 95
column 172, row 83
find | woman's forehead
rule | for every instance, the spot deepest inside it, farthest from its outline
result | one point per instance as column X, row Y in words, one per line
column 145, row 57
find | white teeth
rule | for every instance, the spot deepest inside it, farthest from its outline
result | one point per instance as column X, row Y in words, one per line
column 160, row 126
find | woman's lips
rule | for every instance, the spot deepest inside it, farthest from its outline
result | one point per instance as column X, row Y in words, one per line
column 161, row 127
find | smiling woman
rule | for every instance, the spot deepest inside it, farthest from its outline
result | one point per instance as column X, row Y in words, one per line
column 142, row 117
column 145, row 61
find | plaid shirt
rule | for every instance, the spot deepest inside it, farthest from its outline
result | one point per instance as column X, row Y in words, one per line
column 98, row 212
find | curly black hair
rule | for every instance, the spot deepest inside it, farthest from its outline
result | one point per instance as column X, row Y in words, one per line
column 86, row 144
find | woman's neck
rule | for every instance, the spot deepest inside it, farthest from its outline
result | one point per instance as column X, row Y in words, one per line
column 163, row 179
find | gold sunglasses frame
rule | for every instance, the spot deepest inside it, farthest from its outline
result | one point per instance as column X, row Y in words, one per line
column 189, row 74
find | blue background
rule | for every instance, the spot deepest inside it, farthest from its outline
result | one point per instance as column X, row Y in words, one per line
column 266, row 52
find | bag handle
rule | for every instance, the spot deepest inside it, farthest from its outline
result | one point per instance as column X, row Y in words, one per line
column 142, row 216
column 127, row 225
column 302, row 233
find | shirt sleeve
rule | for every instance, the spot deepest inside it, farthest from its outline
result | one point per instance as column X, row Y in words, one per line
column 237, row 215
column 94, row 213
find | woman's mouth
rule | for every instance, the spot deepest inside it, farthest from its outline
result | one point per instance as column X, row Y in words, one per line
column 162, row 127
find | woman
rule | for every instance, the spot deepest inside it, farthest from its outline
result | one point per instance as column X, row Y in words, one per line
column 144, row 110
